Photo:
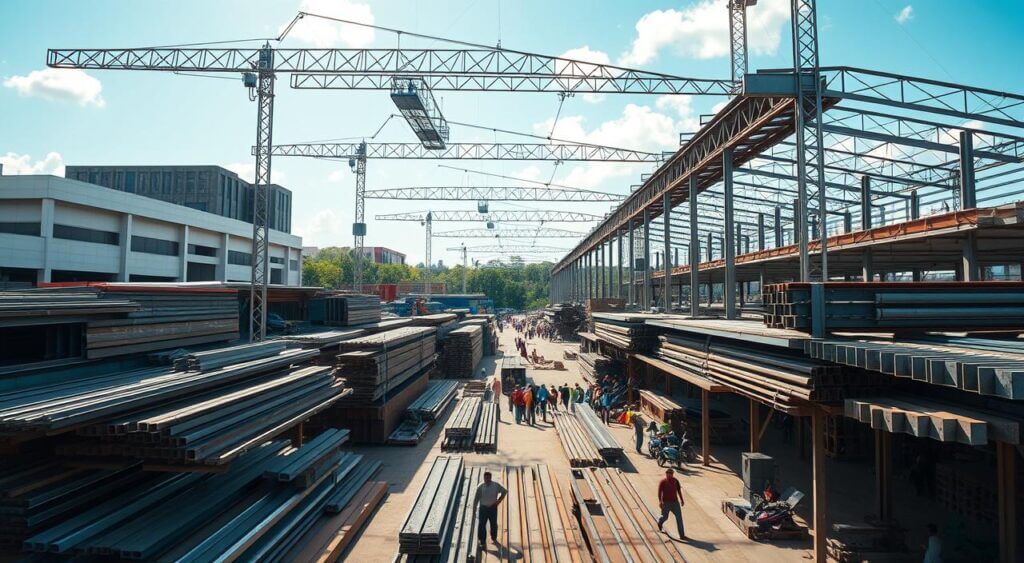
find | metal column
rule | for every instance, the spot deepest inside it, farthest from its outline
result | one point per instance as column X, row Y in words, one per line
column 867, row 262
column 915, row 205
column 729, row 245
column 760, row 232
column 618, row 279
column 648, row 286
column 632, row 265
column 694, row 250
column 968, row 194
column 666, row 281
column 779, row 239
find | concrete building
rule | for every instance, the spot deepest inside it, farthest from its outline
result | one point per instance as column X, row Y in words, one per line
column 382, row 255
column 56, row 229
column 207, row 188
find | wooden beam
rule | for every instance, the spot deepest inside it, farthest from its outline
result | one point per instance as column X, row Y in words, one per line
column 764, row 425
column 754, row 415
column 818, row 495
column 705, row 427
column 1006, row 497
column 883, row 474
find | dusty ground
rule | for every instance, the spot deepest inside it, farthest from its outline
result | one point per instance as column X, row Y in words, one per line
column 712, row 536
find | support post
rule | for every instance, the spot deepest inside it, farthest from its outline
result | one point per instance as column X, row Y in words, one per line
column 729, row 244
column 865, row 203
column 779, row 241
column 705, row 427
column 755, row 425
column 818, row 496
column 968, row 193
column 618, row 279
column 632, row 264
column 883, row 473
column 969, row 270
column 915, row 205
column 694, row 250
column 648, row 287
column 666, row 281
column 760, row 232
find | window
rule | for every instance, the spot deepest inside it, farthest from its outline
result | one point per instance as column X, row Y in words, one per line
column 129, row 182
column 276, row 260
column 293, row 265
column 154, row 246
column 239, row 258
column 85, row 235
column 200, row 250
column 31, row 229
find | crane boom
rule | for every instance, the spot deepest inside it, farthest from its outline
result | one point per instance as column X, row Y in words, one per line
column 511, row 216
column 492, row 193
column 469, row 151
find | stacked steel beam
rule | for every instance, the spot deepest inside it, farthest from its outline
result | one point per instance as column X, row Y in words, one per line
column 93, row 402
column 897, row 305
column 427, row 527
column 603, row 440
column 461, row 427
column 624, row 331
column 377, row 364
column 463, row 350
column 567, row 318
column 216, row 426
column 352, row 309
column 575, row 440
column 616, row 519
column 485, row 439
column 134, row 514
column 783, row 380
column 373, row 422
column 423, row 411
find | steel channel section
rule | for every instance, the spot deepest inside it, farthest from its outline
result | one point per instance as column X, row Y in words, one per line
column 648, row 287
column 729, row 287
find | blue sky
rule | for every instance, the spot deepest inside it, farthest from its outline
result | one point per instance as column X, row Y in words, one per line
column 47, row 120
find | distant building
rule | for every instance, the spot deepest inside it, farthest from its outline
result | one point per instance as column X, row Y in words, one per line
column 57, row 230
column 212, row 189
column 381, row 255
column 310, row 251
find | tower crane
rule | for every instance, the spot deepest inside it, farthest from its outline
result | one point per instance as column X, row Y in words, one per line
column 511, row 233
column 492, row 193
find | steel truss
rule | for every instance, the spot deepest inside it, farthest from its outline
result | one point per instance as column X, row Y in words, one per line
column 511, row 233
column 506, row 216
column 492, row 193
column 470, row 151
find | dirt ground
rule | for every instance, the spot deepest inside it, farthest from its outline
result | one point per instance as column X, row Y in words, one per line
column 712, row 537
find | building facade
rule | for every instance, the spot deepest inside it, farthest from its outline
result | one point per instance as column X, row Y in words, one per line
column 381, row 255
column 206, row 188
column 54, row 229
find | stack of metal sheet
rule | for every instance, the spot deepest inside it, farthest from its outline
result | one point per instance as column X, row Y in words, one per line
column 433, row 402
column 463, row 350
column 427, row 527
column 603, row 440
column 376, row 364
column 486, row 438
column 575, row 440
column 311, row 461
column 352, row 309
column 567, row 318
column 220, row 357
column 897, row 305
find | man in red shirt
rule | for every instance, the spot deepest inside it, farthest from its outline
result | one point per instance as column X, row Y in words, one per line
column 670, row 500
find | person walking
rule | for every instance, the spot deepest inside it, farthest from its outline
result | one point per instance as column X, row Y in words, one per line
column 517, row 398
column 489, row 495
column 529, row 403
column 542, row 401
column 552, row 398
column 638, row 431
column 606, row 406
column 496, row 389
column 565, row 393
column 670, row 500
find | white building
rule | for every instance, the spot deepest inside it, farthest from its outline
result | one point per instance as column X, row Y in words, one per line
column 55, row 229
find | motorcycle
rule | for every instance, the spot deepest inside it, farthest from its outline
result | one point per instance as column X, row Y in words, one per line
column 670, row 455
column 654, row 445
column 776, row 515
column 686, row 450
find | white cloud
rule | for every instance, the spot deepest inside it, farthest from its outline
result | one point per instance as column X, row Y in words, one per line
column 702, row 31
column 324, row 228
column 719, row 106
column 639, row 127
column 586, row 54
column 338, row 176
column 325, row 34
column 59, row 84
column 18, row 164
column 247, row 172
column 905, row 15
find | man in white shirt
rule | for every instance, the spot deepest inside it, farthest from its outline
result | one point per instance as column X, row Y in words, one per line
column 489, row 495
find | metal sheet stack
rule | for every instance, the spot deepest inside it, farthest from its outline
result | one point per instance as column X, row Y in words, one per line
column 626, row 331
column 190, row 517
column 461, row 426
column 463, row 350
column 377, row 364
column 567, row 318
column 898, row 305
column 486, row 438
column 616, row 519
column 605, row 443
column 427, row 527
column 423, row 411
column 374, row 422
column 594, row 366
column 352, row 309
column 490, row 331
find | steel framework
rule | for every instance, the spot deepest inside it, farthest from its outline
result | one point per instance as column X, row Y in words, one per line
column 511, row 233
column 470, row 151
column 492, row 193
column 505, row 216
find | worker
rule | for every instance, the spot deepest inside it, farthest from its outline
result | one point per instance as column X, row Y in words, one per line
column 577, row 396
column 542, row 401
column 517, row 399
column 933, row 551
column 670, row 500
column 638, row 431
column 564, row 392
column 496, row 389
column 528, row 404
column 552, row 398
column 489, row 495
column 606, row 406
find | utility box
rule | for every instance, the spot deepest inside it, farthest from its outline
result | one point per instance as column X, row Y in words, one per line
column 758, row 471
